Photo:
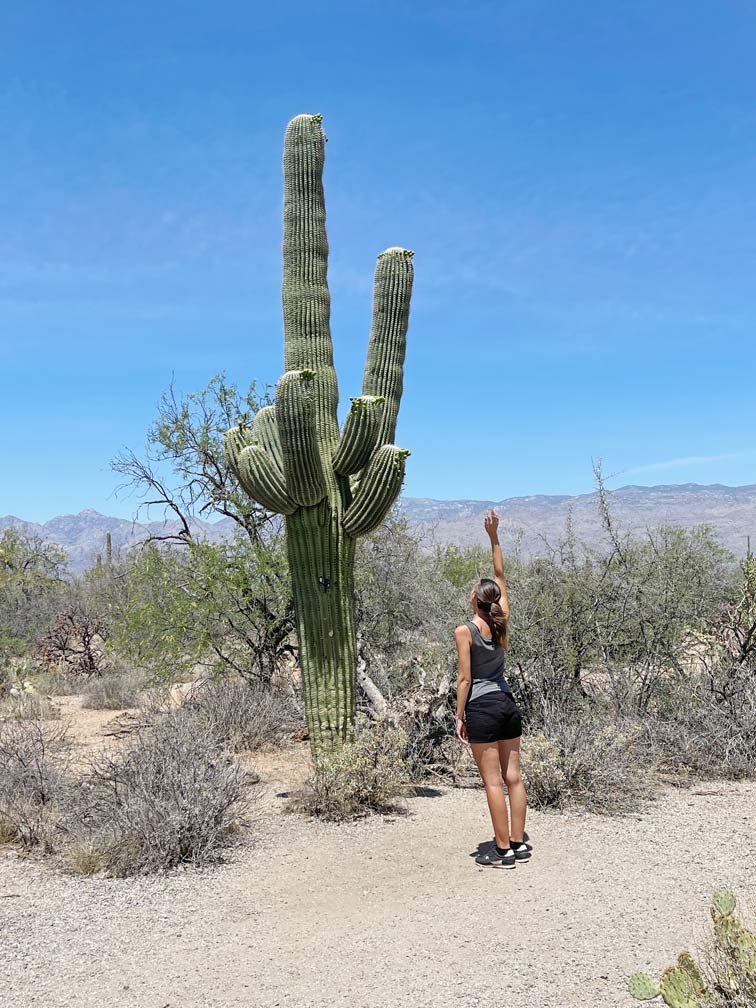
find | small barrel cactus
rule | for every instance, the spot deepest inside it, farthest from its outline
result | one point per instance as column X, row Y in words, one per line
column 331, row 486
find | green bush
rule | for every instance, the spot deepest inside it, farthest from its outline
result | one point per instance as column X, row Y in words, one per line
column 367, row 775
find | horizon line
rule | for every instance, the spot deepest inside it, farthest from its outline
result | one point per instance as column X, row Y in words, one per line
column 439, row 500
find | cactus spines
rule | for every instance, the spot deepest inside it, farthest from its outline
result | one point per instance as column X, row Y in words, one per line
column 686, row 962
column 235, row 441
column 263, row 480
column 295, row 412
column 642, row 987
column 359, row 435
column 331, row 488
column 679, row 989
column 377, row 491
column 265, row 433
column 723, row 903
column 384, row 368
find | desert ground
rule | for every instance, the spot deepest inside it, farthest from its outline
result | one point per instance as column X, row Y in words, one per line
column 388, row 911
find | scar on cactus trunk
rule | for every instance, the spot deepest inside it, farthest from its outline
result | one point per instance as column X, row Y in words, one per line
column 332, row 486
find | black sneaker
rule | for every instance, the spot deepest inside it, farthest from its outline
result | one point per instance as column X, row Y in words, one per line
column 523, row 851
column 490, row 858
column 525, row 842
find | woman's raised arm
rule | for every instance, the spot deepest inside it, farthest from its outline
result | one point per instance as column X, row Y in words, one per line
column 491, row 523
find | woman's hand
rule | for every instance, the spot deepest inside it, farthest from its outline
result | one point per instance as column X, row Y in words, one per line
column 462, row 731
column 491, row 523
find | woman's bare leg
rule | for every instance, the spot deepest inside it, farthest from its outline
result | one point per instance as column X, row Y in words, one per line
column 509, row 758
column 488, row 760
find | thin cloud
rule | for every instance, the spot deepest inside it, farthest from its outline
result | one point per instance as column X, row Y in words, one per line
column 677, row 463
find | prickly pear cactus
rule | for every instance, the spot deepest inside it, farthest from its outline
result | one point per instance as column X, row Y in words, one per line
column 735, row 940
column 687, row 963
column 680, row 989
column 683, row 986
column 642, row 987
column 723, row 903
column 332, row 486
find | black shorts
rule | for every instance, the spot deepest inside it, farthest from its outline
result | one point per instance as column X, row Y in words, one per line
column 493, row 717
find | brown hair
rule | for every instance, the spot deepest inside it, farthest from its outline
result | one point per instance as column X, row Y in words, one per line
column 488, row 597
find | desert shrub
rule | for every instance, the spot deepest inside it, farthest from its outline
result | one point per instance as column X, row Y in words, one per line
column 225, row 606
column 242, row 714
column 705, row 724
column 367, row 775
column 174, row 795
column 52, row 682
column 726, row 977
column 112, row 691
column 31, row 585
column 20, row 699
column 426, row 714
column 74, row 642
column 155, row 701
column 404, row 606
column 577, row 758
column 707, row 735
column 28, row 706
column 33, row 768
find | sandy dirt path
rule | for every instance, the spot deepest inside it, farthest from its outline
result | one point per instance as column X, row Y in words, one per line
column 387, row 912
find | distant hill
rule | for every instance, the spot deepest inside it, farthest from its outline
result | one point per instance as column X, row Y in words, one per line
column 82, row 535
column 730, row 511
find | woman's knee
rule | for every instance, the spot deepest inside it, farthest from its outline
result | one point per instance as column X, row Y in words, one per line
column 512, row 776
column 491, row 781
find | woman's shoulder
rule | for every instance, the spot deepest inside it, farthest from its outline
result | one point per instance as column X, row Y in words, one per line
column 463, row 631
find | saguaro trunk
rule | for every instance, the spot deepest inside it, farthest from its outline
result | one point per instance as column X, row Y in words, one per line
column 332, row 486
column 321, row 558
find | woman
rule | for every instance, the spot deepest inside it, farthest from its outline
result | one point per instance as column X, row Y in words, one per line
column 487, row 717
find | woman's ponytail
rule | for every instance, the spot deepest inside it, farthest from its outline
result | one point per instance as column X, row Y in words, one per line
column 488, row 595
column 499, row 629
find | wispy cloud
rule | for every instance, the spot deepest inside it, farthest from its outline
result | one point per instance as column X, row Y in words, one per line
column 678, row 463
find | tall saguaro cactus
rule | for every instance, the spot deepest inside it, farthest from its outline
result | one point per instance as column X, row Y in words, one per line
column 332, row 486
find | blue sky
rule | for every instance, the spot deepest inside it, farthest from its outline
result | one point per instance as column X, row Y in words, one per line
column 577, row 182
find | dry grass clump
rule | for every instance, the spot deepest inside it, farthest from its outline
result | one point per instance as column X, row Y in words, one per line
column 241, row 714
column 366, row 775
column 83, row 856
column 174, row 796
column 55, row 682
column 33, row 773
column 113, row 691
column 25, row 706
column 576, row 760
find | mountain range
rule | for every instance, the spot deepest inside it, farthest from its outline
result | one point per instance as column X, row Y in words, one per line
column 533, row 521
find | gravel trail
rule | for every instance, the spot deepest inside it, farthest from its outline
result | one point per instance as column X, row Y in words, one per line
column 387, row 912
